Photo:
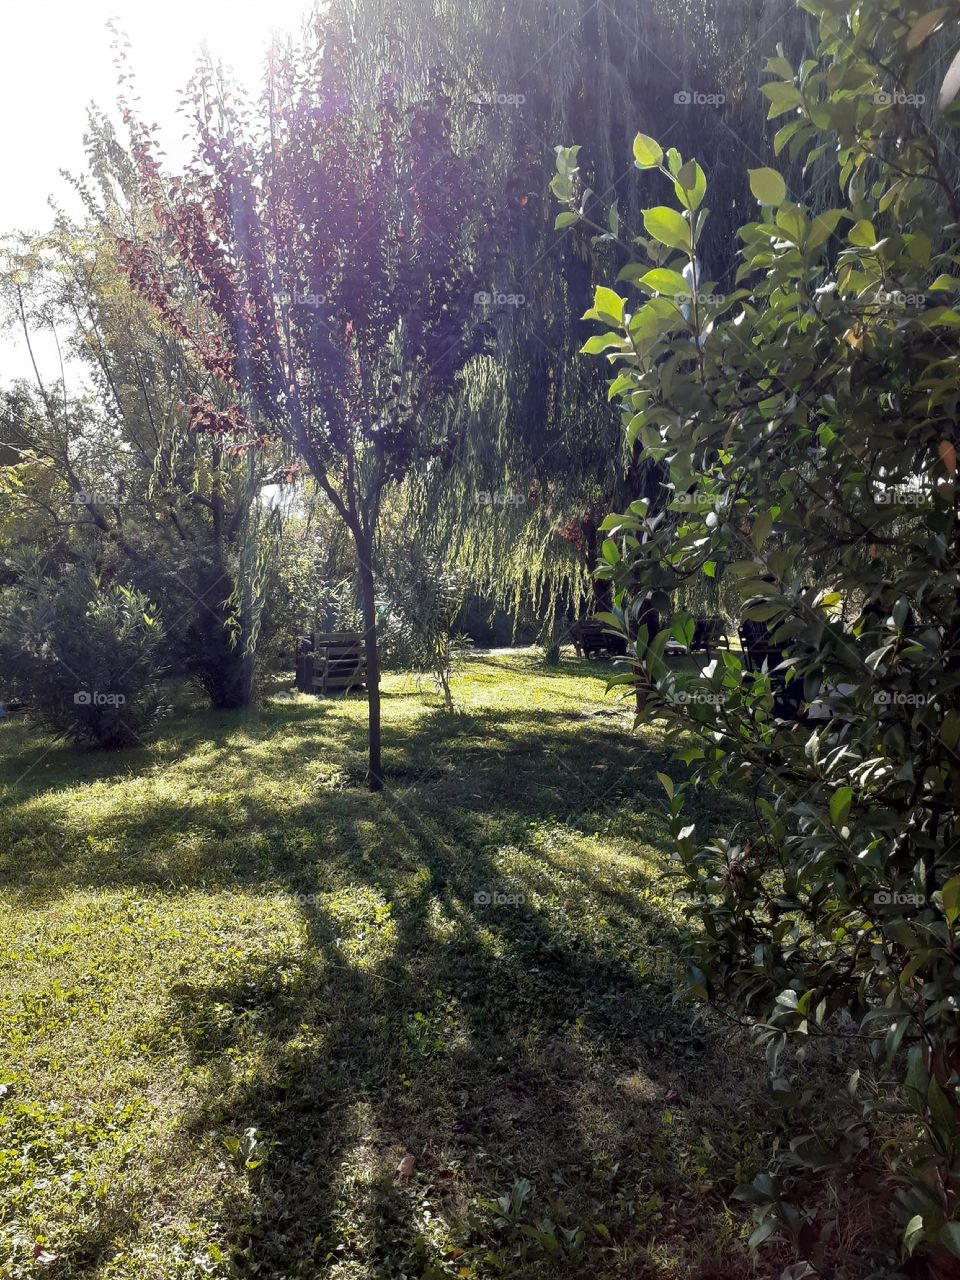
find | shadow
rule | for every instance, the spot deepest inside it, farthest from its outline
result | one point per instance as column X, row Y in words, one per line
column 472, row 977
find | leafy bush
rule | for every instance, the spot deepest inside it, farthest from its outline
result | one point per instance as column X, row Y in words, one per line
column 425, row 599
column 807, row 431
column 83, row 655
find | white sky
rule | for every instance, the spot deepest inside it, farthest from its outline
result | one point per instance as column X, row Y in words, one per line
column 55, row 59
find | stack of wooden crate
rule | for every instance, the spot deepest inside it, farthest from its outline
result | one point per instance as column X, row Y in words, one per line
column 331, row 662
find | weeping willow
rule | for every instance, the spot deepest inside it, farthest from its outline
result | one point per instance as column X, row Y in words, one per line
column 540, row 457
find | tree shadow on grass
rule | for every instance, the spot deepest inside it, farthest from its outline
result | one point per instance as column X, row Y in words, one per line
column 487, row 1044
column 529, row 765
column 492, row 1040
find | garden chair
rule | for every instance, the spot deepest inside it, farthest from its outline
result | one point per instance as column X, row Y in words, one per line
column 708, row 634
column 590, row 636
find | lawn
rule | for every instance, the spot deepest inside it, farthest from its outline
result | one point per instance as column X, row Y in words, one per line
column 238, row 991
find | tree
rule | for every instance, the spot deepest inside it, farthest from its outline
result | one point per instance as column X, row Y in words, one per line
column 533, row 424
column 339, row 243
column 807, row 424
column 176, row 513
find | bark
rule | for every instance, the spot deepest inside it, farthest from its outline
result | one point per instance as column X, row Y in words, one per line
column 369, row 605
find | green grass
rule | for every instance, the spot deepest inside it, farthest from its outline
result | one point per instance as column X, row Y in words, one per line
column 225, row 933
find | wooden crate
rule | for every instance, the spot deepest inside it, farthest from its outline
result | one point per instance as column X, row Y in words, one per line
column 331, row 662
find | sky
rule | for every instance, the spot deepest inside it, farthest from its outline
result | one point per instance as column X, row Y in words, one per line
column 57, row 60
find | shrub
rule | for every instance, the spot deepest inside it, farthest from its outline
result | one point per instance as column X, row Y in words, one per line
column 82, row 654
column 425, row 601
column 808, row 434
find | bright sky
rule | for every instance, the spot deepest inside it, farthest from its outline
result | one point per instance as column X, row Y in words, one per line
column 57, row 60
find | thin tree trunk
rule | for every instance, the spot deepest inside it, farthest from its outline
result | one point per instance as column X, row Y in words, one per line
column 369, row 604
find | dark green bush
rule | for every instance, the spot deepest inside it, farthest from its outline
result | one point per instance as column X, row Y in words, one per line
column 805, row 429
column 83, row 655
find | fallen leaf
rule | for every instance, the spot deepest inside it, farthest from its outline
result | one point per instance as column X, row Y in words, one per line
column 854, row 337
column 924, row 27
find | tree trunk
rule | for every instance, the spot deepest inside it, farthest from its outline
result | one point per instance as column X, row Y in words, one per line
column 369, row 604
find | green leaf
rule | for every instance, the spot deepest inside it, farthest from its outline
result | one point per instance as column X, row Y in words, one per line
column 779, row 66
column 783, row 98
column 667, row 784
column 767, row 186
column 601, row 342
column 950, row 1237
column 761, row 528
column 840, row 803
column 823, row 226
column 863, row 234
column 609, row 620
column 565, row 220
column 647, row 152
column 763, row 1232
column 745, row 568
column 663, row 281
column 941, row 1111
column 913, row 1233
column 784, row 134
column 950, row 729
column 917, row 1081
column 920, row 248
column 950, row 896
column 681, row 628
column 668, row 227
column 691, row 185
column 608, row 303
